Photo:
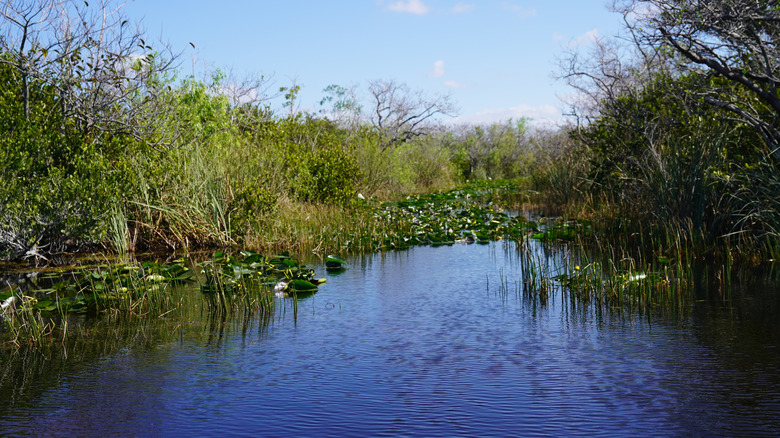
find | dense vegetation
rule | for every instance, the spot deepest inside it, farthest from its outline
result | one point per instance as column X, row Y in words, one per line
column 135, row 157
column 104, row 143
column 105, row 146
column 678, row 134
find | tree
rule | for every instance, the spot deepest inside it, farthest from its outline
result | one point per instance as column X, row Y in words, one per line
column 83, row 95
column 248, row 95
column 499, row 150
column 605, row 73
column 106, row 77
column 738, row 40
column 400, row 114
column 344, row 107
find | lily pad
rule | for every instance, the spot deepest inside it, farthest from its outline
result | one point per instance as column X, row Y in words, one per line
column 301, row 285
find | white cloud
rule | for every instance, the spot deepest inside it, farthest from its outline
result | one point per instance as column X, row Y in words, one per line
column 520, row 11
column 587, row 38
column 438, row 69
column 454, row 84
column 416, row 7
column 462, row 8
column 541, row 116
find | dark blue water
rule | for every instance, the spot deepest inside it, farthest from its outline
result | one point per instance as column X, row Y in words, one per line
column 423, row 342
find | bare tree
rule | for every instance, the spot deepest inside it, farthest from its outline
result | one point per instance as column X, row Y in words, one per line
column 735, row 39
column 609, row 69
column 400, row 114
column 249, row 96
column 107, row 77
column 251, row 89
column 602, row 74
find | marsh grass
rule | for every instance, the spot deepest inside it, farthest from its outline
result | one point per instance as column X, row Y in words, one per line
column 319, row 229
column 42, row 315
column 606, row 275
column 119, row 234
column 232, row 287
column 231, row 296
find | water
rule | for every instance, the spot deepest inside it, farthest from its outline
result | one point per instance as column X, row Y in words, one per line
column 422, row 342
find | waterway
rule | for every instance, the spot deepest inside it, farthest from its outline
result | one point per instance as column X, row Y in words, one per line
column 422, row 342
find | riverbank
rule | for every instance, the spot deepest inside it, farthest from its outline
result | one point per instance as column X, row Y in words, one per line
column 609, row 269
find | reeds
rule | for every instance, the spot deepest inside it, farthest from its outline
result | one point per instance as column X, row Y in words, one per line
column 41, row 315
column 604, row 274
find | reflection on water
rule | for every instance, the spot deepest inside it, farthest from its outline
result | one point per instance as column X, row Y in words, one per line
column 421, row 342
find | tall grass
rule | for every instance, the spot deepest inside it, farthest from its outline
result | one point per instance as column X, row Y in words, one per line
column 320, row 229
column 119, row 233
column 608, row 276
column 561, row 175
column 680, row 194
column 41, row 315
column 272, row 192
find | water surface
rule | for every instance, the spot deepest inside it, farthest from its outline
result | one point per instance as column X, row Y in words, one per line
column 423, row 342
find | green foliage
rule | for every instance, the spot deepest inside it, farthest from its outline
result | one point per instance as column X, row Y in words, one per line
column 670, row 160
column 427, row 164
column 58, row 183
column 500, row 150
column 205, row 110
column 328, row 175
column 248, row 277
column 251, row 207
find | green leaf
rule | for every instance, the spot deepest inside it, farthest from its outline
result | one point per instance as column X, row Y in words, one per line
column 335, row 259
column 302, row 286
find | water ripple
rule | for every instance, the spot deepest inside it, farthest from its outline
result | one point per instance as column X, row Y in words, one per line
column 393, row 347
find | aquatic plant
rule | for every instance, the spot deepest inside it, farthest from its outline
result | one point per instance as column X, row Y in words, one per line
column 334, row 263
column 248, row 278
column 606, row 275
column 465, row 215
column 138, row 289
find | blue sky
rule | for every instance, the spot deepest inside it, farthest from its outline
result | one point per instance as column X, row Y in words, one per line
column 495, row 58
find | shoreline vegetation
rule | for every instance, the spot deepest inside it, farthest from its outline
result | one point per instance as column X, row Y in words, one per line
column 106, row 149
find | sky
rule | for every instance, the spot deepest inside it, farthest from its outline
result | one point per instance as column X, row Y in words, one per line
column 495, row 59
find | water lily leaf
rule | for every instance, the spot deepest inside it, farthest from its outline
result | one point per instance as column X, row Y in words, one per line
column 251, row 257
column 302, row 285
column 336, row 259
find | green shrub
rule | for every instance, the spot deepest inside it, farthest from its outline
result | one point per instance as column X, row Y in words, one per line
column 251, row 207
column 329, row 175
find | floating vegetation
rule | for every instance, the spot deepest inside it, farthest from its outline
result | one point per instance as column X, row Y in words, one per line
column 32, row 314
column 622, row 287
column 247, row 278
column 473, row 214
column 122, row 286
column 334, row 264
column 562, row 230
column 37, row 313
